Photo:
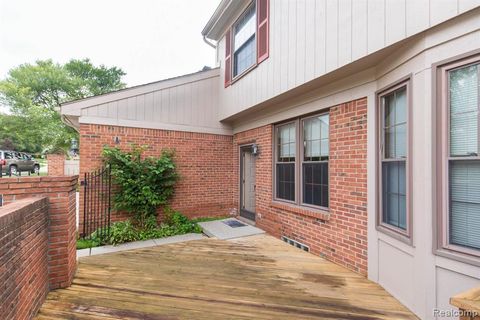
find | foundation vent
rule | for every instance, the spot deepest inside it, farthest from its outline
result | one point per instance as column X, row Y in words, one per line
column 296, row 244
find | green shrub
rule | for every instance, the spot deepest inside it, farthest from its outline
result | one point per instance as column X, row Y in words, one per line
column 143, row 183
column 121, row 232
column 126, row 231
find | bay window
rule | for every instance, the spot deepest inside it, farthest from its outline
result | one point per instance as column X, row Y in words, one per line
column 393, row 210
column 458, row 149
column 457, row 146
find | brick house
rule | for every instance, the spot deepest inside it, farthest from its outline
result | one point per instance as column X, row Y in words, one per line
column 348, row 126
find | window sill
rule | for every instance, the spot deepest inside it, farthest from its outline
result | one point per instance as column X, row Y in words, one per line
column 244, row 73
column 301, row 210
column 458, row 256
column 395, row 234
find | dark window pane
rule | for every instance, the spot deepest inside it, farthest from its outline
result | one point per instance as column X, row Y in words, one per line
column 465, row 203
column 286, row 181
column 244, row 57
column 315, row 184
column 394, row 194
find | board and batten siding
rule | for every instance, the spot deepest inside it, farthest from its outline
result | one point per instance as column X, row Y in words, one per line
column 309, row 38
column 189, row 106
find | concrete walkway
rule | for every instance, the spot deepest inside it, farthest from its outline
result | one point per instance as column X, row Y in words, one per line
column 138, row 244
column 229, row 229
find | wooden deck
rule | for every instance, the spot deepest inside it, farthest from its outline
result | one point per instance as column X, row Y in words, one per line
column 258, row 277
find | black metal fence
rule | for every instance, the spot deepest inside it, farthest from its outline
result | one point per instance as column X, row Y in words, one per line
column 97, row 203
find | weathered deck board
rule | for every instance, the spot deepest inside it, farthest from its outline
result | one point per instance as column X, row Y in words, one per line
column 257, row 277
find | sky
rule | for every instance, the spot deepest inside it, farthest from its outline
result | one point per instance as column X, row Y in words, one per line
column 149, row 39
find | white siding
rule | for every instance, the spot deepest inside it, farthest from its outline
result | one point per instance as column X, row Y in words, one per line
column 189, row 106
column 309, row 38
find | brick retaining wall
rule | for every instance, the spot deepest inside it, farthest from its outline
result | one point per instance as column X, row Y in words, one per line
column 61, row 195
column 23, row 258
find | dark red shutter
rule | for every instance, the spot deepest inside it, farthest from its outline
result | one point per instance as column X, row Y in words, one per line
column 263, row 9
column 228, row 58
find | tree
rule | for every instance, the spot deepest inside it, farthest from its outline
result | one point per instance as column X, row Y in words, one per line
column 33, row 93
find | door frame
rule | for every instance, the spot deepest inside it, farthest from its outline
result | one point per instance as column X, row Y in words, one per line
column 250, row 215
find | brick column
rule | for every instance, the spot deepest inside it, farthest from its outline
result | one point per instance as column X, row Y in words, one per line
column 62, row 248
column 56, row 164
column 61, row 194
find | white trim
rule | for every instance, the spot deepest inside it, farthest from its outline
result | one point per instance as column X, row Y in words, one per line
column 153, row 125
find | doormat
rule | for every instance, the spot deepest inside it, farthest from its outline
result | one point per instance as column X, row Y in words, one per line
column 234, row 223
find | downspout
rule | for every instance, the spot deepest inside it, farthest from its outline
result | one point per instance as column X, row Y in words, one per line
column 209, row 43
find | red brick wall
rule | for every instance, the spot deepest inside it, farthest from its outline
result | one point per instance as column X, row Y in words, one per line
column 204, row 162
column 56, row 164
column 23, row 258
column 341, row 235
column 61, row 194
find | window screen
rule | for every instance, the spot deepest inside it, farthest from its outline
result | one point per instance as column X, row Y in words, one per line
column 315, row 160
column 393, row 166
column 464, row 164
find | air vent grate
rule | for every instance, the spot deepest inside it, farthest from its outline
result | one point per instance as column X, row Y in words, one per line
column 296, row 244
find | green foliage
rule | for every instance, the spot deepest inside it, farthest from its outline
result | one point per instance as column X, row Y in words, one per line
column 33, row 93
column 144, row 183
column 86, row 243
column 126, row 231
column 121, row 232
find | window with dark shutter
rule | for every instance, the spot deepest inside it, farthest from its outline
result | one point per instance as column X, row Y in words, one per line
column 228, row 59
column 262, row 30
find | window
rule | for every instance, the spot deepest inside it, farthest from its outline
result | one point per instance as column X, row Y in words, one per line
column 315, row 160
column 393, row 212
column 285, row 167
column 244, row 42
column 458, row 150
column 303, row 171
column 9, row 155
column 247, row 41
column 464, row 163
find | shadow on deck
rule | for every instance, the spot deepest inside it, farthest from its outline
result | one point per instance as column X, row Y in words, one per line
column 257, row 277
